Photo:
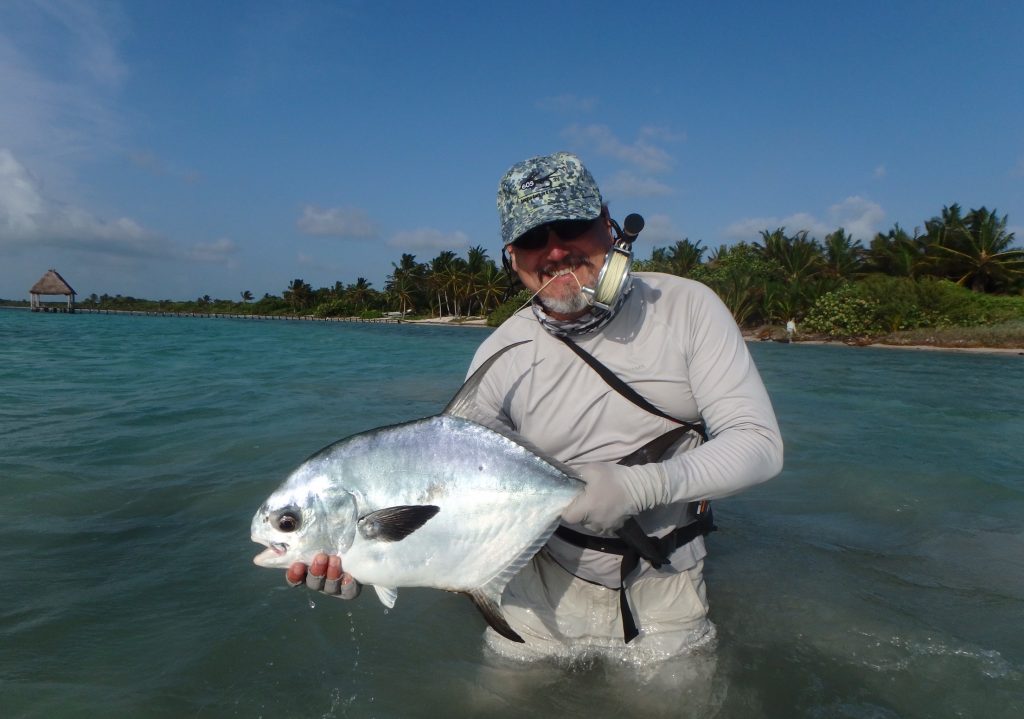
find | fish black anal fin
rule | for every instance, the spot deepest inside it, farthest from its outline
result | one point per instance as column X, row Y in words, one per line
column 491, row 611
column 393, row 524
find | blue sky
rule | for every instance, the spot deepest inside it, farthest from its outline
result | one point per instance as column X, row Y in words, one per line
column 176, row 149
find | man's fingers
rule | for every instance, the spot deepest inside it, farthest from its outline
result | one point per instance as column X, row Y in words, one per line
column 332, row 583
column 324, row 574
column 349, row 587
column 317, row 572
column 296, row 574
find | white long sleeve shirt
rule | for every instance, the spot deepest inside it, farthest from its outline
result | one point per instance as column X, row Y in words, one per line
column 677, row 345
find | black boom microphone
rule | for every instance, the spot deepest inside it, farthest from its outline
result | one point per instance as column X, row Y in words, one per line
column 631, row 227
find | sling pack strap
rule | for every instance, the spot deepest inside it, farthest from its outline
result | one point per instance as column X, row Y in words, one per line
column 633, row 544
column 704, row 524
column 616, row 383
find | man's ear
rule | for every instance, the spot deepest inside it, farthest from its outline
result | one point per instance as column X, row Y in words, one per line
column 512, row 257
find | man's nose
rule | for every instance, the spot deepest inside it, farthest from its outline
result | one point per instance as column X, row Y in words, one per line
column 557, row 248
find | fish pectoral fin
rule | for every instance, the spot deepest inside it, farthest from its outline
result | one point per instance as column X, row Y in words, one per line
column 489, row 607
column 387, row 595
column 393, row 524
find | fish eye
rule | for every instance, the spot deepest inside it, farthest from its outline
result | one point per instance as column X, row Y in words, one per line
column 287, row 520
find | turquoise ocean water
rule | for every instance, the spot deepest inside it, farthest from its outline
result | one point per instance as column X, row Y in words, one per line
column 881, row 575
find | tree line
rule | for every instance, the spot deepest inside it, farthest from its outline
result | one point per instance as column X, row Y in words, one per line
column 786, row 276
column 775, row 278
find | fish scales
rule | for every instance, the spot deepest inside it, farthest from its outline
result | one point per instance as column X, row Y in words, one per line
column 494, row 496
column 439, row 502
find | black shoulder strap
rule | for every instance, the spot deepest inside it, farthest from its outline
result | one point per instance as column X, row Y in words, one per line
column 632, row 543
column 616, row 383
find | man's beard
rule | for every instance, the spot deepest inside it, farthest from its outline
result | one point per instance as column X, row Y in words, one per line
column 572, row 302
column 577, row 302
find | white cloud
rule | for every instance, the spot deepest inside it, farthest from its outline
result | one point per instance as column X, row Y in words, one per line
column 220, row 251
column 749, row 229
column 629, row 184
column 659, row 231
column 661, row 134
column 641, row 153
column 860, row 218
column 59, row 85
column 880, row 172
column 347, row 222
column 29, row 219
column 429, row 239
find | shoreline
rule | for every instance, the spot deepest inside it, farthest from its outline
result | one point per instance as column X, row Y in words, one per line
column 752, row 337
column 480, row 322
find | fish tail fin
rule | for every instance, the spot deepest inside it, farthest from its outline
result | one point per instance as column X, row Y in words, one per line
column 488, row 606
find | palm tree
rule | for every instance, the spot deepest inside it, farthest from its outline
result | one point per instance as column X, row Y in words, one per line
column 359, row 293
column 843, row 255
column 491, row 286
column 800, row 258
column 439, row 278
column 800, row 265
column 976, row 252
column 406, row 284
column 298, row 294
column 246, row 296
column 898, row 253
column 679, row 259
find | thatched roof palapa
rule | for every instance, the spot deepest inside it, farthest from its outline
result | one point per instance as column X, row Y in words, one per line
column 52, row 284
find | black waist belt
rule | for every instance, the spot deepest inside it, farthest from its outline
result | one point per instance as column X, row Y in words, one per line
column 704, row 524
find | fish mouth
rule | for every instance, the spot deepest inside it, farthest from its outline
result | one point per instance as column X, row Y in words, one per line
column 272, row 556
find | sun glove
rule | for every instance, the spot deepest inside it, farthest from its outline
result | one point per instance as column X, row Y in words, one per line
column 613, row 493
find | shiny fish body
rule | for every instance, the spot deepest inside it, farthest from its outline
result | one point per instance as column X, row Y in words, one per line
column 495, row 499
column 439, row 502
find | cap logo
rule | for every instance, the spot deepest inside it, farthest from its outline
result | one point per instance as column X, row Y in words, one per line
column 533, row 184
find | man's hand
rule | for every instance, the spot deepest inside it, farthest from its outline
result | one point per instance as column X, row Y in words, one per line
column 324, row 575
column 613, row 493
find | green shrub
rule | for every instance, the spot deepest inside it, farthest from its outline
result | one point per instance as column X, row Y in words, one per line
column 896, row 301
column 508, row 308
column 843, row 313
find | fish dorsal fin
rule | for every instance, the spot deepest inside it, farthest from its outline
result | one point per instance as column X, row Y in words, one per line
column 393, row 524
column 461, row 404
column 387, row 595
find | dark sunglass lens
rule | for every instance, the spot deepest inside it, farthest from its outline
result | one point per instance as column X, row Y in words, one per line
column 532, row 239
column 571, row 229
column 538, row 237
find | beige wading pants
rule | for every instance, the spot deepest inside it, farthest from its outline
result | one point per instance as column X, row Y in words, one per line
column 558, row 614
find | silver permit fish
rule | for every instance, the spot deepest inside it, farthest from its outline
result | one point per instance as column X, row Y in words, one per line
column 440, row 502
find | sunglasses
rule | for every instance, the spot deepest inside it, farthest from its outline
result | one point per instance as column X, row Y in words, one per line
column 565, row 229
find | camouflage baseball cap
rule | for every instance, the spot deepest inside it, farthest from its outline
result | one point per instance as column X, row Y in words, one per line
column 545, row 189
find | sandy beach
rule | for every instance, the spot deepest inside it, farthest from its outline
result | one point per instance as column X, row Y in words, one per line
column 754, row 336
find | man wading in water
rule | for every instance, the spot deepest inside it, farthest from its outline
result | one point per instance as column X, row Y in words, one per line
column 660, row 354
